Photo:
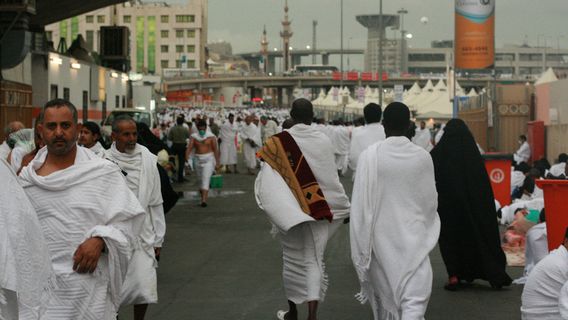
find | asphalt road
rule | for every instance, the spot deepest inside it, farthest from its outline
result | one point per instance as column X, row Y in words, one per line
column 221, row 262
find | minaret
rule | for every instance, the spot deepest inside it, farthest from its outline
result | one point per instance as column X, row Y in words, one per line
column 286, row 34
column 264, row 49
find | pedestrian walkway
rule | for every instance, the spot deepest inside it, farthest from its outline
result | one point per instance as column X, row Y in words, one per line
column 221, row 263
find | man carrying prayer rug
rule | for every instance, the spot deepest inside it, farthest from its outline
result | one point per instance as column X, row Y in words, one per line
column 299, row 190
column 88, row 216
column 394, row 223
column 143, row 179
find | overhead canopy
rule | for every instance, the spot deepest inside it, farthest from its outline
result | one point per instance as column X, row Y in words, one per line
column 49, row 11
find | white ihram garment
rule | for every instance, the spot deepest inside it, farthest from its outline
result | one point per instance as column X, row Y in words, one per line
column 205, row 163
column 250, row 133
column 88, row 199
column 98, row 150
column 523, row 154
column 536, row 248
column 143, row 179
column 341, row 140
column 423, row 139
column 541, row 294
column 268, row 130
column 394, row 226
column 26, row 276
column 4, row 150
column 362, row 138
column 303, row 239
column 558, row 169
column 228, row 148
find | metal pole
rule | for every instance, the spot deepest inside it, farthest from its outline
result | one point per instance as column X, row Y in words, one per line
column 381, row 34
column 341, row 46
column 315, row 23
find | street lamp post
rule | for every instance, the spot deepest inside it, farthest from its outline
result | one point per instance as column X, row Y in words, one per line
column 381, row 35
column 402, row 12
column 341, row 45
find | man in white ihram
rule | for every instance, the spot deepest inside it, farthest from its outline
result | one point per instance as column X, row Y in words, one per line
column 228, row 148
column 371, row 133
column 88, row 216
column 250, row 136
column 26, row 276
column 299, row 189
column 394, row 222
column 523, row 154
column 545, row 292
column 143, row 179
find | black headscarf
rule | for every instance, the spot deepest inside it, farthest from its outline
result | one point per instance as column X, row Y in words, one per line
column 149, row 140
column 469, row 237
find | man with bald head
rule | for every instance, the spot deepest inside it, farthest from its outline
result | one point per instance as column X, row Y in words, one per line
column 12, row 127
column 88, row 217
column 142, row 177
column 298, row 188
column 394, row 217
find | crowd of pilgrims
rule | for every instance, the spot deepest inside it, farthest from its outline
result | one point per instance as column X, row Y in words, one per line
column 456, row 209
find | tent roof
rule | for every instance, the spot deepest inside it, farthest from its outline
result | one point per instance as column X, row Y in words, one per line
column 546, row 77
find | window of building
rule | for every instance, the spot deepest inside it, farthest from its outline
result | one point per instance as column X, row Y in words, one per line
column 85, row 105
column 178, row 64
column 66, row 93
column 127, row 19
column 165, row 63
column 164, row 19
column 49, row 35
column 165, row 33
column 116, row 102
column 191, row 33
column 530, row 57
column 191, row 64
column 90, row 39
column 179, row 33
column 89, row 19
column 190, row 48
column 184, row 18
column 53, row 92
column 179, row 48
column 101, row 19
column 504, row 57
column 164, row 48
column 124, row 101
column 427, row 57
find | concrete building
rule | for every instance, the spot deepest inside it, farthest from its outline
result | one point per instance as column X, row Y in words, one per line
column 161, row 35
column 392, row 61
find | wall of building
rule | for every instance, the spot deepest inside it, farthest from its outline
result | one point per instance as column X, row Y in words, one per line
column 152, row 26
column 556, row 141
column 20, row 73
column 558, row 98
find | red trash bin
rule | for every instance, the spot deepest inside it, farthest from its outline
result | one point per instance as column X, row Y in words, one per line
column 498, row 166
column 555, row 195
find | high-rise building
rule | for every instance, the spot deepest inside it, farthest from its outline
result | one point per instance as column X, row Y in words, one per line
column 161, row 35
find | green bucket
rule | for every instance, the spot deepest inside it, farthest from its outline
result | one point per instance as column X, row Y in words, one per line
column 216, row 181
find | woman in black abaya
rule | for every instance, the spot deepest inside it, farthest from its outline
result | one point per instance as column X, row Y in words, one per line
column 469, row 236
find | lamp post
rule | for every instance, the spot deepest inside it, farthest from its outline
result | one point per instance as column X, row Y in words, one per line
column 381, row 34
column 341, row 45
column 348, row 55
column 402, row 12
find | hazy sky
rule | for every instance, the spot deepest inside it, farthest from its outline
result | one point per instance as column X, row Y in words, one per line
column 240, row 21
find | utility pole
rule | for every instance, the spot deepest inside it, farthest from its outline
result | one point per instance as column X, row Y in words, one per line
column 314, row 41
column 341, row 46
column 402, row 12
column 381, row 36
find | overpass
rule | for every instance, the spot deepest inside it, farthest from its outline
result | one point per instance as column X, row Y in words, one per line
column 284, row 85
column 296, row 56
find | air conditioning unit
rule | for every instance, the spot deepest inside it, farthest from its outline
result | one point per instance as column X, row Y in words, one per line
column 28, row 6
column 114, row 42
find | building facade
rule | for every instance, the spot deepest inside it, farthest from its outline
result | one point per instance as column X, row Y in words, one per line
column 161, row 35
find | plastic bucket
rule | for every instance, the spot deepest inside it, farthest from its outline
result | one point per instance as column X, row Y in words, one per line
column 216, row 181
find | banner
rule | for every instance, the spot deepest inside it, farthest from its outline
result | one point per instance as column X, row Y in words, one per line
column 474, row 34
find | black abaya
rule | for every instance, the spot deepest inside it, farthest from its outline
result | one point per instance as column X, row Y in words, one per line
column 469, row 236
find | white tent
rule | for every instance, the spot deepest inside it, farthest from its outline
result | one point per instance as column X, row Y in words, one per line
column 437, row 105
column 321, row 97
column 472, row 93
column 427, row 91
column 546, row 77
